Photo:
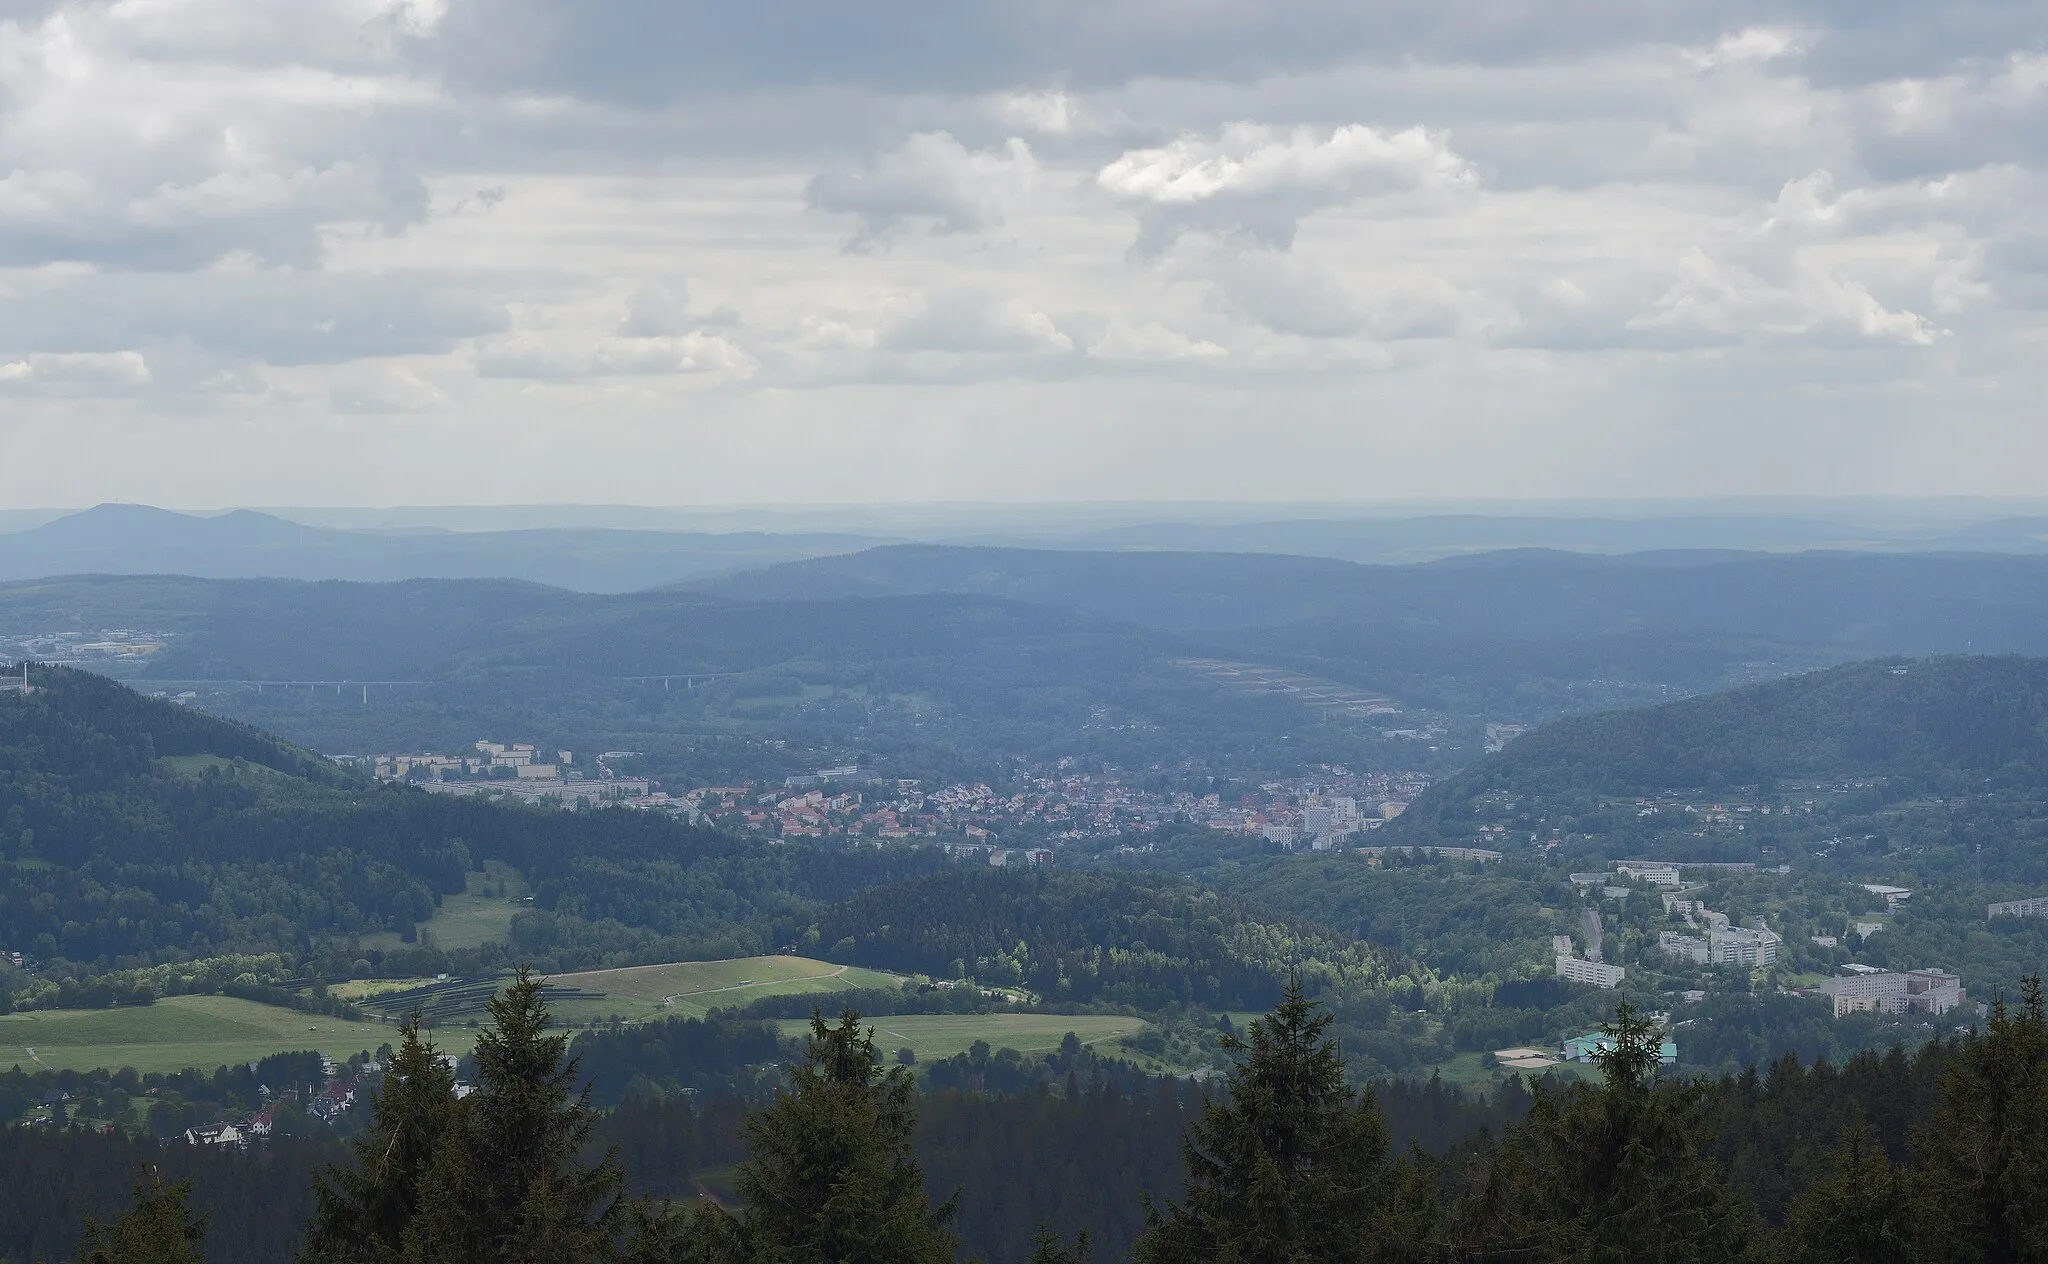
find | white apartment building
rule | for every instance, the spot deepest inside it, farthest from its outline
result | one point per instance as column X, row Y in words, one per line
column 2035, row 907
column 1580, row 970
column 1723, row 946
column 1890, row 992
column 1655, row 872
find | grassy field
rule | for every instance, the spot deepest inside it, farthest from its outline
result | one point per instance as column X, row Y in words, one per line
column 943, row 1035
column 175, row 1033
column 482, row 914
column 690, row 988
column 683, row 989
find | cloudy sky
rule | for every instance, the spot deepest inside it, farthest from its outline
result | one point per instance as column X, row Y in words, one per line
column 673, row 252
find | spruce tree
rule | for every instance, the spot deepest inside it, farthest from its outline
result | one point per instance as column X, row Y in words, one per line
column 1865, row 1210
column 1048, row 1248
column 509, row 1185
column 361, row 1211
column 1985, row 1149
column 831, row 1178
column 1617, row 1173
column 158, row 1229
column 1290, row 1167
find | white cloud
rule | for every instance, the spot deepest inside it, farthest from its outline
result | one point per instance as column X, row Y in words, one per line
column 78, row 372
column 385, row 388
column 932, row 180
column 568, row 358
column 1151, row 341
column 1260, row 180
column 1748, row 46
column 974, row 323
column 1051, row 113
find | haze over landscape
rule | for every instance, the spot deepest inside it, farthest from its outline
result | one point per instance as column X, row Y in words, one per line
column 690, row 634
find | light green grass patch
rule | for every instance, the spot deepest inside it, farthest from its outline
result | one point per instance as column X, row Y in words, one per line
column 481, row 915
column 944, row 1035
column 692, row 988
column 175, row 1033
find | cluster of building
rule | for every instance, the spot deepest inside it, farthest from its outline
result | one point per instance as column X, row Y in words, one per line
column 69, row 648
column 515, row 770
column 518, row 760
column 1585, row 1048
column 1056, row 805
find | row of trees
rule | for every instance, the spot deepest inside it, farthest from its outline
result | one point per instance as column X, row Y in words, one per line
column 1290, row 1166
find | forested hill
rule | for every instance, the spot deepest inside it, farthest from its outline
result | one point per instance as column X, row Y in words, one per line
column 1091, row 937
column 135, row 834
column 85, row 732
column 1937, row 720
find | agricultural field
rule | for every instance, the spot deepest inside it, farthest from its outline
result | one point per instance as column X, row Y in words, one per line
column 943, row 1035
column 175, row 1033
column 682, row 989
column 692, row 988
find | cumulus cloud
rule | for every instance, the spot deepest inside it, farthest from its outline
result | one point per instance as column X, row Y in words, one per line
column 1726, row 301
column 1151, row 341
column 665, row 309
column 130, row 136
column 565, row 358
column 78, row 372
column 931, row 180
column 385, row 388
column 1259, row 180
column 972, row 323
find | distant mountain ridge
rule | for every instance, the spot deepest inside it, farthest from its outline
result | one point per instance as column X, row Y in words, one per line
column 116, row 539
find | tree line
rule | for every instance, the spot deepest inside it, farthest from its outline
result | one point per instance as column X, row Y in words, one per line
column 1934, row 1156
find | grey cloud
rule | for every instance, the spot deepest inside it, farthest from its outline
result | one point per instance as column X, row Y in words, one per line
column 658, row 50
column 971, row 323
column 280, row 317
column 930, row 179
column 664, row 309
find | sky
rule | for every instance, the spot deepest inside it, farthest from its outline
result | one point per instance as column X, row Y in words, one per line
column 663, row 252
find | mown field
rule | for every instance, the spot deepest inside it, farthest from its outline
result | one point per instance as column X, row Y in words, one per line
column 684, row 989
column 691, row 988
column 175, row 1033
column 943, row 1035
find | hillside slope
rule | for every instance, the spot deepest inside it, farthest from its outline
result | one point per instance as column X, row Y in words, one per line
column 136, row 833
column 1973, row 717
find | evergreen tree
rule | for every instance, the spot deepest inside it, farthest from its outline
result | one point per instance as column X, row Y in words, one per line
column 508, row 1185
column 1986, row 1146
column 1291, row 1166
column 1865, row 1210
column 362, row 1210
column 1617, row 1173
column 158, row 1229
column 1047, row 1248
column 831, row 1178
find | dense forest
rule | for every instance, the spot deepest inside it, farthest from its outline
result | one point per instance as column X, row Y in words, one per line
column 1094, row 937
